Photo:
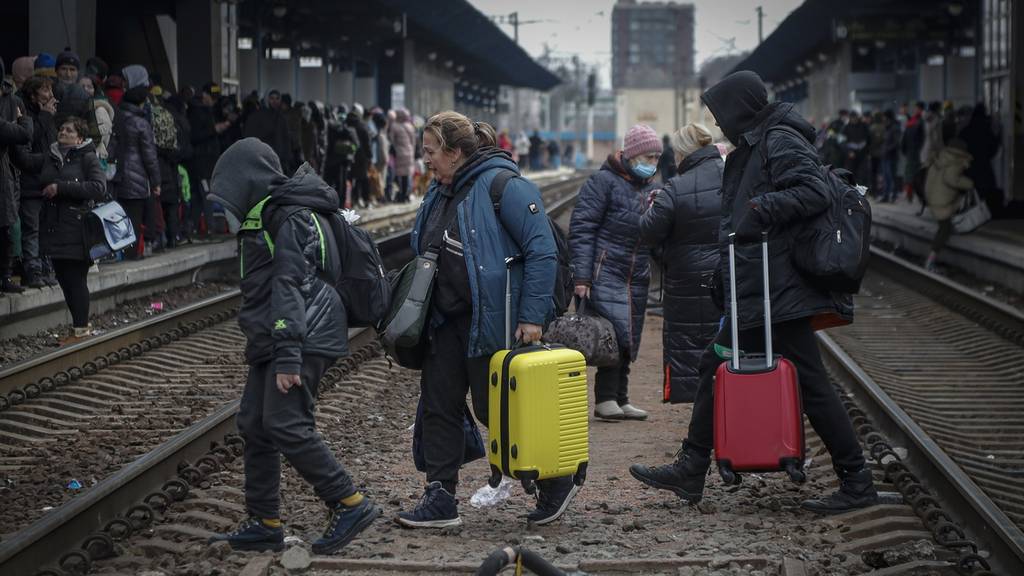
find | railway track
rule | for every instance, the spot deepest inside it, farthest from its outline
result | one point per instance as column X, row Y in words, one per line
column 148, row 411
column 938, row 371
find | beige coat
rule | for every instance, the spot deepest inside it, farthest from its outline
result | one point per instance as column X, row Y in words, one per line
column 946, row 182
column 105, row 121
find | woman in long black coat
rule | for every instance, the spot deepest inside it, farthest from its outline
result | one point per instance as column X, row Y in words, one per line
column 72, row 182
column 611, row 265
column 683, row 218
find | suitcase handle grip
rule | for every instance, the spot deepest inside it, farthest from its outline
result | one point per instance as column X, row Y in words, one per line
column 733, row 319
column 508, row 299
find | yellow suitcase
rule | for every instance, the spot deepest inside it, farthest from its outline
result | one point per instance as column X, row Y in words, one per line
column 538, row 416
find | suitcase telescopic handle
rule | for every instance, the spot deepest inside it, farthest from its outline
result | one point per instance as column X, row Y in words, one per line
column 733, row 317
column 508, row 298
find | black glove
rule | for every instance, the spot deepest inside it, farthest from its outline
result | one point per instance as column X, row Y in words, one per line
column 750, row 227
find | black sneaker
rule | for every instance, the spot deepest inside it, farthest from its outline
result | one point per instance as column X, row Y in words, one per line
column 437, row 509
column 856, row 490
column 553, row 498
column 344, row 523
column 254, row 536
column 685, row 477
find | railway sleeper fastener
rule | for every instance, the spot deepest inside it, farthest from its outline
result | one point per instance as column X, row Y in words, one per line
column 75, row 373
column 4, row 403
column 177, row 488
column 47, row 383
column 62, row 378
column 119, row 529
column 967, row 561
column 140, row 516
column 158, row 501
column 15, row 397
column 75, row 562
column 90, row 368
column 99, row 546
column 32, row 390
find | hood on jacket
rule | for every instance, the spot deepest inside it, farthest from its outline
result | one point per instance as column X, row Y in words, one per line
column 952, row 155
column 103, row 103
column 87, row 145
column 736, row 102
column 483, row 159
column 783, row 114
column 304, row 188
column 614, row 164
column 244, row 174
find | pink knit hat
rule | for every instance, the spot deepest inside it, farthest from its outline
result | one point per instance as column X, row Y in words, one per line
column 641, row 139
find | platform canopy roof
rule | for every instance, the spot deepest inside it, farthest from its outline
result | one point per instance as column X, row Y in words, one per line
column 814, row 28
column 358, row 29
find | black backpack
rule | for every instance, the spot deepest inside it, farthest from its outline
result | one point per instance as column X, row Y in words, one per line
column 563, row 276
column 361, row 280
column 832, row 248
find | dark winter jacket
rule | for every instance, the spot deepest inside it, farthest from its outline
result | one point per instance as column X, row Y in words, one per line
column 781, row 192
column 607, row 252
column 170, row 180
column 30, row 159
column 487, row 238
column 72, row 100
column 205, row 141
column 983, row 144
column 288, row 311
column 133, row 148
column 271, row 127
column 684, row 219
column 14, row 132
column 361, row 162
column 81, row 182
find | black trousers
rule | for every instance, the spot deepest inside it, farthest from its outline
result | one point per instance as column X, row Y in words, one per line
column 171, row 224
column 275, row 425
column 6, row 251
column 612, row 382
column 795, row 341
column 942, row 235
column 136, row 211
column 72, row 275
column 446, row 377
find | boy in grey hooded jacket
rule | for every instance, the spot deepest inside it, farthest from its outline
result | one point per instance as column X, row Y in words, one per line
column 295, row 326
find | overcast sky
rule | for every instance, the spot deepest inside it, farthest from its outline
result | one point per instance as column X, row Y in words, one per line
column 584, row 26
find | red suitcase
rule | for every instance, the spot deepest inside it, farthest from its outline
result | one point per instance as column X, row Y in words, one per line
column 758, row 412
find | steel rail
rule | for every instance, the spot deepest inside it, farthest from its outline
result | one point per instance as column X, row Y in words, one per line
column 971, row 506
column 50, row 363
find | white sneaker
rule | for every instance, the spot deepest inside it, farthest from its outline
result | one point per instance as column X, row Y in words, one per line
column 609, row 410
column 630, row 412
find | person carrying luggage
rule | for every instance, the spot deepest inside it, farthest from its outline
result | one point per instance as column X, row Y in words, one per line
column 611, row 264
column 295, row 328
column 683, row 219
column 772, row 182
column 458, row 220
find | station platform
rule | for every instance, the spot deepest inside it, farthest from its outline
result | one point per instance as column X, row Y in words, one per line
column 992, row 253
column 111, row 283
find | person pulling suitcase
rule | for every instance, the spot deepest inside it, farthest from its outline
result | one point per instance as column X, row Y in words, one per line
column 774, row 186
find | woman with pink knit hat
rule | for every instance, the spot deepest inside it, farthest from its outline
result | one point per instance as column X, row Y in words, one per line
column 610, row 264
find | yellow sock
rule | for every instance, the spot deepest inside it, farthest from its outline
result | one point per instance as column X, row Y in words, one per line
column 271, row 522
column 353, row 500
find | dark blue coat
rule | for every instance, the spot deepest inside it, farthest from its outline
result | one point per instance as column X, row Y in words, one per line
column 684, row 220
column 607, row 252
column 133, row 148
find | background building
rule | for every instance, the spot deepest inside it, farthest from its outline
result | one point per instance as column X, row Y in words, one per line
column 652, row 65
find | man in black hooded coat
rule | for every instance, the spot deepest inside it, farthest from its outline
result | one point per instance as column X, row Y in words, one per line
column 772, row 183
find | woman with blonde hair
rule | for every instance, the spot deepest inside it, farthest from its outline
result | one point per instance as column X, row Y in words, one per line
column 459, row 223
column 683, row 219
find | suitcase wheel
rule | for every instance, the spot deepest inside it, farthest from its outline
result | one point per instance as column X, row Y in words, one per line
column 529, row 485
column 495, row 478
column 581, row 474
column 729, row 477
column 796, row 474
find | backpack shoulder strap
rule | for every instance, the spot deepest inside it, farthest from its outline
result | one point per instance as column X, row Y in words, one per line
column 498, row 185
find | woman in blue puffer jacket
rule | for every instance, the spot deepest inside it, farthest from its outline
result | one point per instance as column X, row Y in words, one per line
column 611, row 264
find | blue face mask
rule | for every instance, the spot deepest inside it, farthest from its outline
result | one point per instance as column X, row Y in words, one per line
column 644, row 171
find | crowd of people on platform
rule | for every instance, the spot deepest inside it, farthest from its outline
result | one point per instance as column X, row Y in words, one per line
column 929, row 153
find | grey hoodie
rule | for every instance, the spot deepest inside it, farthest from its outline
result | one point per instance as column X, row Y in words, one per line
column 288, row 311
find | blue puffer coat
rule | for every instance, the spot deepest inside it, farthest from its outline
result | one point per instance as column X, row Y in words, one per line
column 521, row 227
column 607, row 252
column 133, row 148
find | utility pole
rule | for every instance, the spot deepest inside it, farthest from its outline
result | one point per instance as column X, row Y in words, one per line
column 760, row 22
column 513, row 19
